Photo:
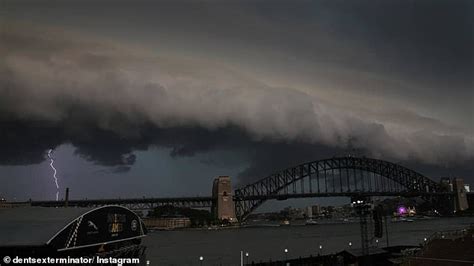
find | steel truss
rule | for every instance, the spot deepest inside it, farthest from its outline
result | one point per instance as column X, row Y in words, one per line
column 344, row 176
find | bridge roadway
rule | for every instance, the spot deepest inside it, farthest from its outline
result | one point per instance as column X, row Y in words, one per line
column 207, row 202
column 132, row 203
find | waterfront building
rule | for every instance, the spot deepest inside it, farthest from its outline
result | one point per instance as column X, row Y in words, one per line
column 316, row 210
column 167, row 222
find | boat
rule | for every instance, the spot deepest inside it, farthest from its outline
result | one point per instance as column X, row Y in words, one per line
column 285, row 222
column 311, row 222
column 106, row 232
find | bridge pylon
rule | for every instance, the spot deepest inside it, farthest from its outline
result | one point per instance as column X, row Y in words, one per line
column 223, row 207
column 460, row 199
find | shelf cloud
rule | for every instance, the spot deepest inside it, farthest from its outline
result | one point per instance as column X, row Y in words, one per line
column 109, row 100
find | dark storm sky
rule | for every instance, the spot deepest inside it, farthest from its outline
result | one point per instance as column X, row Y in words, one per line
column 157, row 97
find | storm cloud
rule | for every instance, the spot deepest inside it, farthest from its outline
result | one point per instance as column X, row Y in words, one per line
column 109, row 100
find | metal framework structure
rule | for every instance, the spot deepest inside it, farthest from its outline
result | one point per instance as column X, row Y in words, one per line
column 343, row 176
column 133, row 204
column 334, row 177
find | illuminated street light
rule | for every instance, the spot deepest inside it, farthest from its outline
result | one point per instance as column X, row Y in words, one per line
column 201, row 258
column 286, row 254
column 350, row 244
column 320, row 249
column 246, row 258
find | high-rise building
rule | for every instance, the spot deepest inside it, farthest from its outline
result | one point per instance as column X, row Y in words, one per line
column 309, row 212
column 447, row 184
column 316, row 210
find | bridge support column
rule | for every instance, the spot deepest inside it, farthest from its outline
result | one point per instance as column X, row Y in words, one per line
column 223, row 207
column 460, row 199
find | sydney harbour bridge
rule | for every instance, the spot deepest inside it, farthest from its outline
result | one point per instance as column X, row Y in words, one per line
column 333, row 177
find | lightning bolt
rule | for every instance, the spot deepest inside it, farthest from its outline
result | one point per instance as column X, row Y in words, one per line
column 54, row 174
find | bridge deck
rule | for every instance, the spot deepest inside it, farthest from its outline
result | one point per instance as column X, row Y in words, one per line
column 206, row 201
column 140, row 203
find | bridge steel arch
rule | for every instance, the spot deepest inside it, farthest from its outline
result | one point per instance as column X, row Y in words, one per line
column 341, row 176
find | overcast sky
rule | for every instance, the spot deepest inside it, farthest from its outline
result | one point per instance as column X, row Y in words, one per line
column 156, row 98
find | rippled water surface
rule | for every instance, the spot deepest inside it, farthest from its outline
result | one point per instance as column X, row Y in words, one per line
column 222, row 247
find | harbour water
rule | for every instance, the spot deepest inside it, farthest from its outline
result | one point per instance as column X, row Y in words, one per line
column 222, row 247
